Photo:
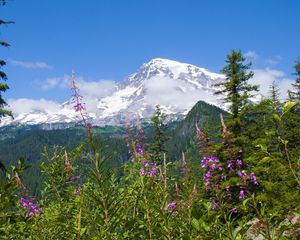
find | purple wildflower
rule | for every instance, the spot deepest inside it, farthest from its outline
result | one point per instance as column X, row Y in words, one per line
column 207, row 175
column 234, row 210
column 242, row 173
column 152, row 173
column 203, row 163
column 214, row 206
column 209, row 159
column 142, row 172
column 79, row 107
column 222, row 177
column 145, row 164
column 172, row 205
column 252, row 177
column 230, row 165
column 139, row 149
column 242, row 194
column 239, row 162
column 30, row 206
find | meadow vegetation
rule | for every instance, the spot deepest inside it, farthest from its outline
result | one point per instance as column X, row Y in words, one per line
column 243, row 184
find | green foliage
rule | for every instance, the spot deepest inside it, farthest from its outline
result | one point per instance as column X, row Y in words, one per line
column 3, row 86
column 273, row 156
column 274, row 95
column 236, row 88
column 183, row 138
column 295, row 95
column 158, row 123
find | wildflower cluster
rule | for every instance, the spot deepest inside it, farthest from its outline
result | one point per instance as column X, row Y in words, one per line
column 149, row 169
column 216, row 175
column 32, row 208
column 212, row 165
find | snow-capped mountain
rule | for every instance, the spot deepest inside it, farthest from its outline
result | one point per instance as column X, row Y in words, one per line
column 175, row 86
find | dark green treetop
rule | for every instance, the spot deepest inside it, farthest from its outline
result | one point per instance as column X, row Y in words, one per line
column 236, row 89
column 158, row 123
column 3, row 77
column 295, row 95
column 274, row 95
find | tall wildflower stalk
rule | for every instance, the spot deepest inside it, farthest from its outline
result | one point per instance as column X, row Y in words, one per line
column 79, row 106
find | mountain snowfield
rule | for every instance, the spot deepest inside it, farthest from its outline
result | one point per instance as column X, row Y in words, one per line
column 175, row 86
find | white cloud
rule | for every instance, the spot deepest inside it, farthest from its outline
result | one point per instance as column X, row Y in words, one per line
column 31, row 65
column 251, row 54
column 50, row 83
column 90, row 90
column 95, row 89
column 166, row 91
column 25, row 105
column 56, row 82
column 265, row 77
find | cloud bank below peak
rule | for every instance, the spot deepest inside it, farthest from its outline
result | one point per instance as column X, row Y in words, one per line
column 26, row 105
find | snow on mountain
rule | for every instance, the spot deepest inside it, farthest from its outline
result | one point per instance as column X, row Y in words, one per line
column 175, row 86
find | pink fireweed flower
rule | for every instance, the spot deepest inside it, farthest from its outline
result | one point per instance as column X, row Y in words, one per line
column 79, row 107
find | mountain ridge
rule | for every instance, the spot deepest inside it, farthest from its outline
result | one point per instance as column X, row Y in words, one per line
column 175, row 86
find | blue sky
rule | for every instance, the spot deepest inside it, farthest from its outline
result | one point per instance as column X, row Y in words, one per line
column 109, row 39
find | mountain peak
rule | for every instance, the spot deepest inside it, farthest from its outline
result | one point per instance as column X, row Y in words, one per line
column 157, row 65
column 174, row 85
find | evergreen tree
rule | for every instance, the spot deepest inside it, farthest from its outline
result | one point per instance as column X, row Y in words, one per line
column 275, row 95
column 295, row 95
column 3, row 86
column 158, row 123
column 236, row 88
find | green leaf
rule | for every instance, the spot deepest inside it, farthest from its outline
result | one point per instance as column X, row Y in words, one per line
column 245, row 201
column 265, row 160
column 276, row 118
column 288, row 106
column 204, row 225
column 270, row 133
column 283, row 141
column 82, row 231
column 195, row 224
column 262, row 147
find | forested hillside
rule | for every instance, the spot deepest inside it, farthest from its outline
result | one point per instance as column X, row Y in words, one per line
column 30, row 141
